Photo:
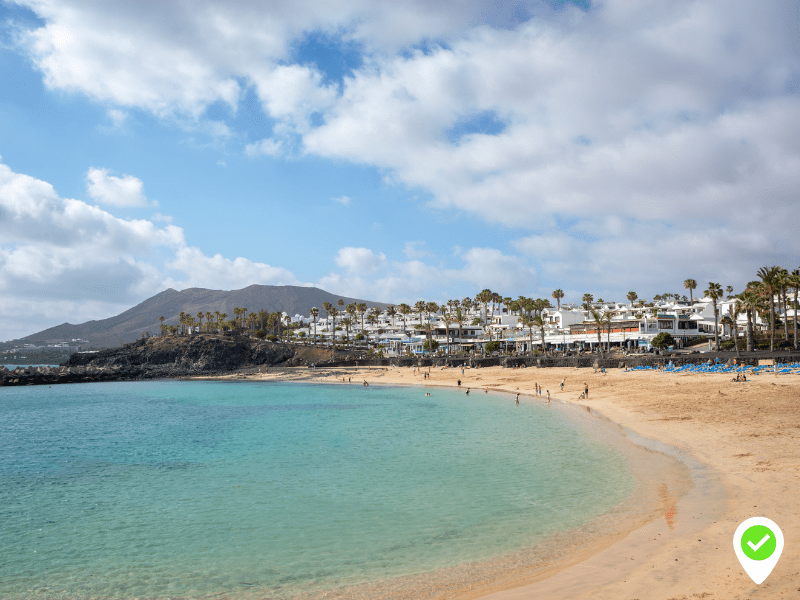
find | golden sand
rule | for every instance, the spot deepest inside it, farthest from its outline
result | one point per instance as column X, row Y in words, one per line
column 745, row 436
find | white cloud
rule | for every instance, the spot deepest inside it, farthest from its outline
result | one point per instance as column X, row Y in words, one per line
column 65, row 260
column 116, row 191
column 412, row 280
column 630, row 131
column 267, row 147
column 359, row 260
column 343, row 200
column 217, row 272
column 415, row 249
column 117, row 117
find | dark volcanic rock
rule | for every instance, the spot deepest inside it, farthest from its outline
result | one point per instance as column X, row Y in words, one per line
column 176, row 356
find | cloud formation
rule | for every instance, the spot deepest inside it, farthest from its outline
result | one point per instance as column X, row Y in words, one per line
column 116, row 191
column 631, row 143
column 63, row 259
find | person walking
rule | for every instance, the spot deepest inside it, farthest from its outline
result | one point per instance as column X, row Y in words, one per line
column 517, row 401
column 585, row 390
column 548, row 396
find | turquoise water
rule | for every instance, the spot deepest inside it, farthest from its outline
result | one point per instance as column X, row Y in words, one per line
column 222, row 489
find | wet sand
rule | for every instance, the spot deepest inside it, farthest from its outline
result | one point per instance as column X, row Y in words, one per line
column 740, row 441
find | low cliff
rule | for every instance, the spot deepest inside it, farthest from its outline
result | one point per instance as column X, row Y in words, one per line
column 174, row 356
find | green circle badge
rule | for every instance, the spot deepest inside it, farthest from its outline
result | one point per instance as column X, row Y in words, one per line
column 758, row 542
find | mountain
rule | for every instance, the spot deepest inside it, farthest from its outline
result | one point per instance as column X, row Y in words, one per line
column 131, row 324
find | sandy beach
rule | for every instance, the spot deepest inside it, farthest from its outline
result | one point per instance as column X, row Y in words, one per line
column 740, row 439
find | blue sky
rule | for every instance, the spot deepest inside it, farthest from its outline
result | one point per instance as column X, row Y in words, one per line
column 395, row 152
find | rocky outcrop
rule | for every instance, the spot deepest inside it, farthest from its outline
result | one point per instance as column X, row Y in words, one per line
column 170, row 357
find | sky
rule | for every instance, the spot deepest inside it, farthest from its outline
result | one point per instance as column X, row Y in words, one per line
column 403, row 151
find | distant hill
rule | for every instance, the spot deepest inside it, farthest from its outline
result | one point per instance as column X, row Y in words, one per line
column 131, row 324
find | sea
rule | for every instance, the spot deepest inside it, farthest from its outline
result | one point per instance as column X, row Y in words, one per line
column 239, row 490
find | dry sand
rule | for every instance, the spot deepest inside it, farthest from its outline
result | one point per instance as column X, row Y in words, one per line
column 741, row 438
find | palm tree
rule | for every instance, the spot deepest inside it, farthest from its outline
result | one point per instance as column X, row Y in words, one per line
column 288, row 320
column 599, row 324
column 795, row 282
column 347, row 321
column 783, row 283
column 391, row 311
column 404, row 310
column 334, row 312
column 539, row 322
column 749, row 301
column 558, row 295
column 431, row 308
column 448, row 318
column 632, row 296
column 587, row 302
column 770, row 277
column 352, row 311
column 314, row 313
column 734, row 310
column 362, row 309
column 162, row 325
column 690, row 284
column 607, row 317
column 528, row 322
column 328, row 308
column 419, row 308
column 714, row 292
column 478, row 301
column 729, row 289
column 459, row 318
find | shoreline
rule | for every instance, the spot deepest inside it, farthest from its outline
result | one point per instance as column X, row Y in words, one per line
column 750, row 474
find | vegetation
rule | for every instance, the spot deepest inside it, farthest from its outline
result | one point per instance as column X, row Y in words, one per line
column 774, row 293
column 663, row 340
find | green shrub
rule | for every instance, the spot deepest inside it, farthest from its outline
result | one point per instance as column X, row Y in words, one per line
column 272, row 337
column 492, row 346
column 261, row 334
column 430, row 345
column 663, row 339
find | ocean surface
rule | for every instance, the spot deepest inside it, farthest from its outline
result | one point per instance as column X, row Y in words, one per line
column 204, row 489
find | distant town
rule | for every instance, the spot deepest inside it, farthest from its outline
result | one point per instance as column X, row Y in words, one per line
column 17, row 353
column 763, row 316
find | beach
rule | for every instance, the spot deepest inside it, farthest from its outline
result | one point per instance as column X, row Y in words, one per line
column 740, row 441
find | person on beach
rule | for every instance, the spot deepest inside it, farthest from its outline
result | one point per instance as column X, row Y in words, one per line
column 459, row 383
column 585, row 390
column 561, row 385
column 517, row 400
column 485, row 391
column 467, row 391
column 365, row 383
column 348, row 380
column 548, row 396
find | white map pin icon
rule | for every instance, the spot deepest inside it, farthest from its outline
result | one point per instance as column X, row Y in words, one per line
column 758, row 543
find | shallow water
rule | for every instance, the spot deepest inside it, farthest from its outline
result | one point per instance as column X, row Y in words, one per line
column 221, row 489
